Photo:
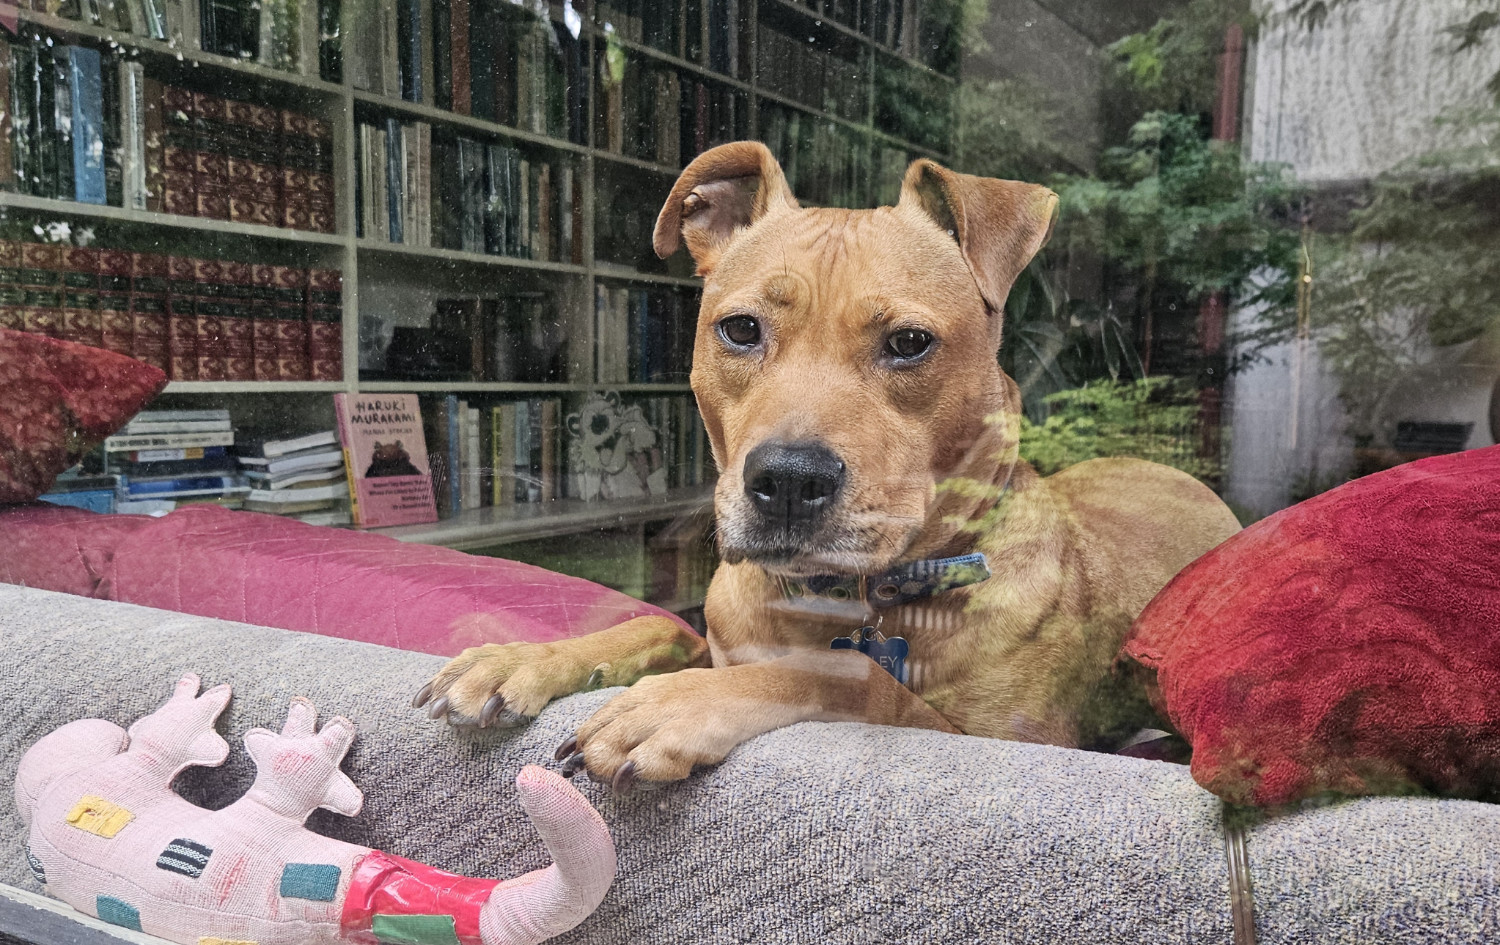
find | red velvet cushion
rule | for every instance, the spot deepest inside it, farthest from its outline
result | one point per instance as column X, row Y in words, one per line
column 58, row 400
column 1350, row 643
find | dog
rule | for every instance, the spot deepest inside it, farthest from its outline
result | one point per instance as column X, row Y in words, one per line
column 845, row 368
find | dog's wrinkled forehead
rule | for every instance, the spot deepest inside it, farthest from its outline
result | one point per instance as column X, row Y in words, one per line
column 824, row 260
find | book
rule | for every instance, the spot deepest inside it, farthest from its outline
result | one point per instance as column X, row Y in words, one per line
column 307, row 459
column 286, row 496
column 120, row 443
column 175, row 486
column 175, row 426
column 172, row 455
column 271, row 449
column 86, row 98
column 290, row 480
column 385, row 456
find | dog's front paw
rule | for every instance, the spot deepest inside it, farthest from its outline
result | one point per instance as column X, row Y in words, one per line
column 501, row 683
column 663, row 726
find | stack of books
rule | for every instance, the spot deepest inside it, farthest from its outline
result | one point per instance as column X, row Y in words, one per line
column 95, row 128
column 302, row 477
column 164, row 458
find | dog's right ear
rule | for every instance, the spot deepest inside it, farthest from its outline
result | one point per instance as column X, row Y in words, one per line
column 724, row 190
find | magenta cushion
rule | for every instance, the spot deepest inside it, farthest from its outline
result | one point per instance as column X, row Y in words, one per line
column 278, row 572
column 58, row 400
column 57, row 548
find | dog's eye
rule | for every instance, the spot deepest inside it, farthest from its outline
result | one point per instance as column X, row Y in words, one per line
column 741, row 331
column 908, row 343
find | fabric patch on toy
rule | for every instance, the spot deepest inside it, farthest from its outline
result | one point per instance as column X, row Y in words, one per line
column 185, row 857
column 35, row 865
column 415, row 929
column 384, row 886
column 211, row 940
column 318, row 882
column 119, row 913
column 97, row 816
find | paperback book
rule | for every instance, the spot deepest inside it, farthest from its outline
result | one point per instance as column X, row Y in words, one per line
column 390, row 480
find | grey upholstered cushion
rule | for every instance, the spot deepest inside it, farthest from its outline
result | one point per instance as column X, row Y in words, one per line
column 816, row 833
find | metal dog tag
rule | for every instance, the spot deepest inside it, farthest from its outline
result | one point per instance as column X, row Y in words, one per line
column 889, row 652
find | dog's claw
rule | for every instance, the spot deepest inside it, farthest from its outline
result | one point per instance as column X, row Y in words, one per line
column 566, row 748
column 595, row 678
column 422, row 696
column 624, row 778
column 573, row 765
column 492, row 707
column 439, row 708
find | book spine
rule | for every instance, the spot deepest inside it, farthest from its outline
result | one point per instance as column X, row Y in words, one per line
column 296, row 156
column 22, row 108
column 396, row 179
column 291, row 323
column 425, row 51
column 458, row 20
column 41, row 274
column 380, row 176
column 12, row 292
column 441, row 46
column 325, row 313
column 322, row 206
column 149, row 326
column 178, row 151
column 237, row 322
column 424, row 184
column 346, row 441
column 264, row 322
column 330, row 41
column 390, row 49
column 86, row 99
column 62, row 125
column 7, row 121
column 80, row 312
column 208, row 315
column 481, row 53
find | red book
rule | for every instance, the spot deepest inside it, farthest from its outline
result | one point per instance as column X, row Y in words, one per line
column 210, row 155
column 155, row 136
column 458, row 54
column 263, row 322
column 237, row 323
column 182, row 319
column 179, row 152
column 320, row 177
column 291, row 323
column 80, row 315
column 116, row 324
column 208, row 320
column 41, row 274
column 325, row 317
column 12, row 292
column 148, row 309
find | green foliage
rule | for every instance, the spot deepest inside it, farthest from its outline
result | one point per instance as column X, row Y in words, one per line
column 1153, row 418
column 1181, row 209
column 1004, row 128
column 1174, row 65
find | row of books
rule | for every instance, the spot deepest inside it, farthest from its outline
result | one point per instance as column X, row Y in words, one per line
column 196, row 319
column 705, row 32
column 656, row 114
column 421, row 189
column 530, row 451
column 824, row 163
column 165, row 457
column 794, row 69
column 643, row 335
column 96, row 129
column 501, row 61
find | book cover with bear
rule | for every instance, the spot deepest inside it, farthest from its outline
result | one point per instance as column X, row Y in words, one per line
column 390, row 481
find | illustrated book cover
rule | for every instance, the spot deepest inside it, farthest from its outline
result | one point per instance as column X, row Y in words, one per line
column 390, row 479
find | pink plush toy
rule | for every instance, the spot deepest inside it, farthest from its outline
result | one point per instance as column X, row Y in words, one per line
column 110, row 837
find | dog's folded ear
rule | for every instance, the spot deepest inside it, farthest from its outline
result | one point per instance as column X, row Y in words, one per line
column 725, row 188
column 998, row 224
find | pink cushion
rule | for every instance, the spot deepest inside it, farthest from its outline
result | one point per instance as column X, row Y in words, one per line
column 57, row 548
column 61, row 399
column 278, row 572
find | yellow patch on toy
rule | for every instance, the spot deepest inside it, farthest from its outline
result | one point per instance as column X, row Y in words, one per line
column 211, row 940
column 98, row 816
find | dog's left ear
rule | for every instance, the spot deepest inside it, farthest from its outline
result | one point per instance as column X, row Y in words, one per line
column 998, row 224
column 722, row 191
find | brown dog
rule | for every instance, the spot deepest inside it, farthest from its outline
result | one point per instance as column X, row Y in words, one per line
column 845, row 368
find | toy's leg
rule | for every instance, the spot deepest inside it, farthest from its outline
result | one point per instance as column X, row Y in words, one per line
column 533, row 908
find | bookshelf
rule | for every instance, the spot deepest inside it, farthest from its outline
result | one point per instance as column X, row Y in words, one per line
column 846, row 62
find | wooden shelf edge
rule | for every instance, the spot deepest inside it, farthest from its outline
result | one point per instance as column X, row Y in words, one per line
column 175, row 221
column 434, row 114
column 368, row 245
column 499, row 525
column 255, row 387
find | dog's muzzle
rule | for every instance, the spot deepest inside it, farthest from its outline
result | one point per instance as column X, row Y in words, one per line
column 791, row 486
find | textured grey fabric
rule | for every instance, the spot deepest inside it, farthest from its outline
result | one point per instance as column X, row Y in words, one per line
column 816, row 833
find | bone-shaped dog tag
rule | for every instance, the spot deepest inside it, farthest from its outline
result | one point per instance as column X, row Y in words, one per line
column 888, row 652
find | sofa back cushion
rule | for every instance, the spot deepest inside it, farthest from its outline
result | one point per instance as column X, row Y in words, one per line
column 57, row 548
column 278, row 572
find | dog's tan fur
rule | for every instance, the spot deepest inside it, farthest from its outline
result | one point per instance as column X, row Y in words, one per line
column 930, row 454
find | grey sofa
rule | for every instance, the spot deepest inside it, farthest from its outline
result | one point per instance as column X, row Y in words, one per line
column 818, row 833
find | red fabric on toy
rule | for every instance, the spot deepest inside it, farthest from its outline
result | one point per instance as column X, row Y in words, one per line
column 1350, row 643
column 58, row 400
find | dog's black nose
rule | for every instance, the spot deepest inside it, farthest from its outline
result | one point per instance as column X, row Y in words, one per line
column 792, row 483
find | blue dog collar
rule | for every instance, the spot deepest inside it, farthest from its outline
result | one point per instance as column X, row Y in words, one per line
column 915, row 580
